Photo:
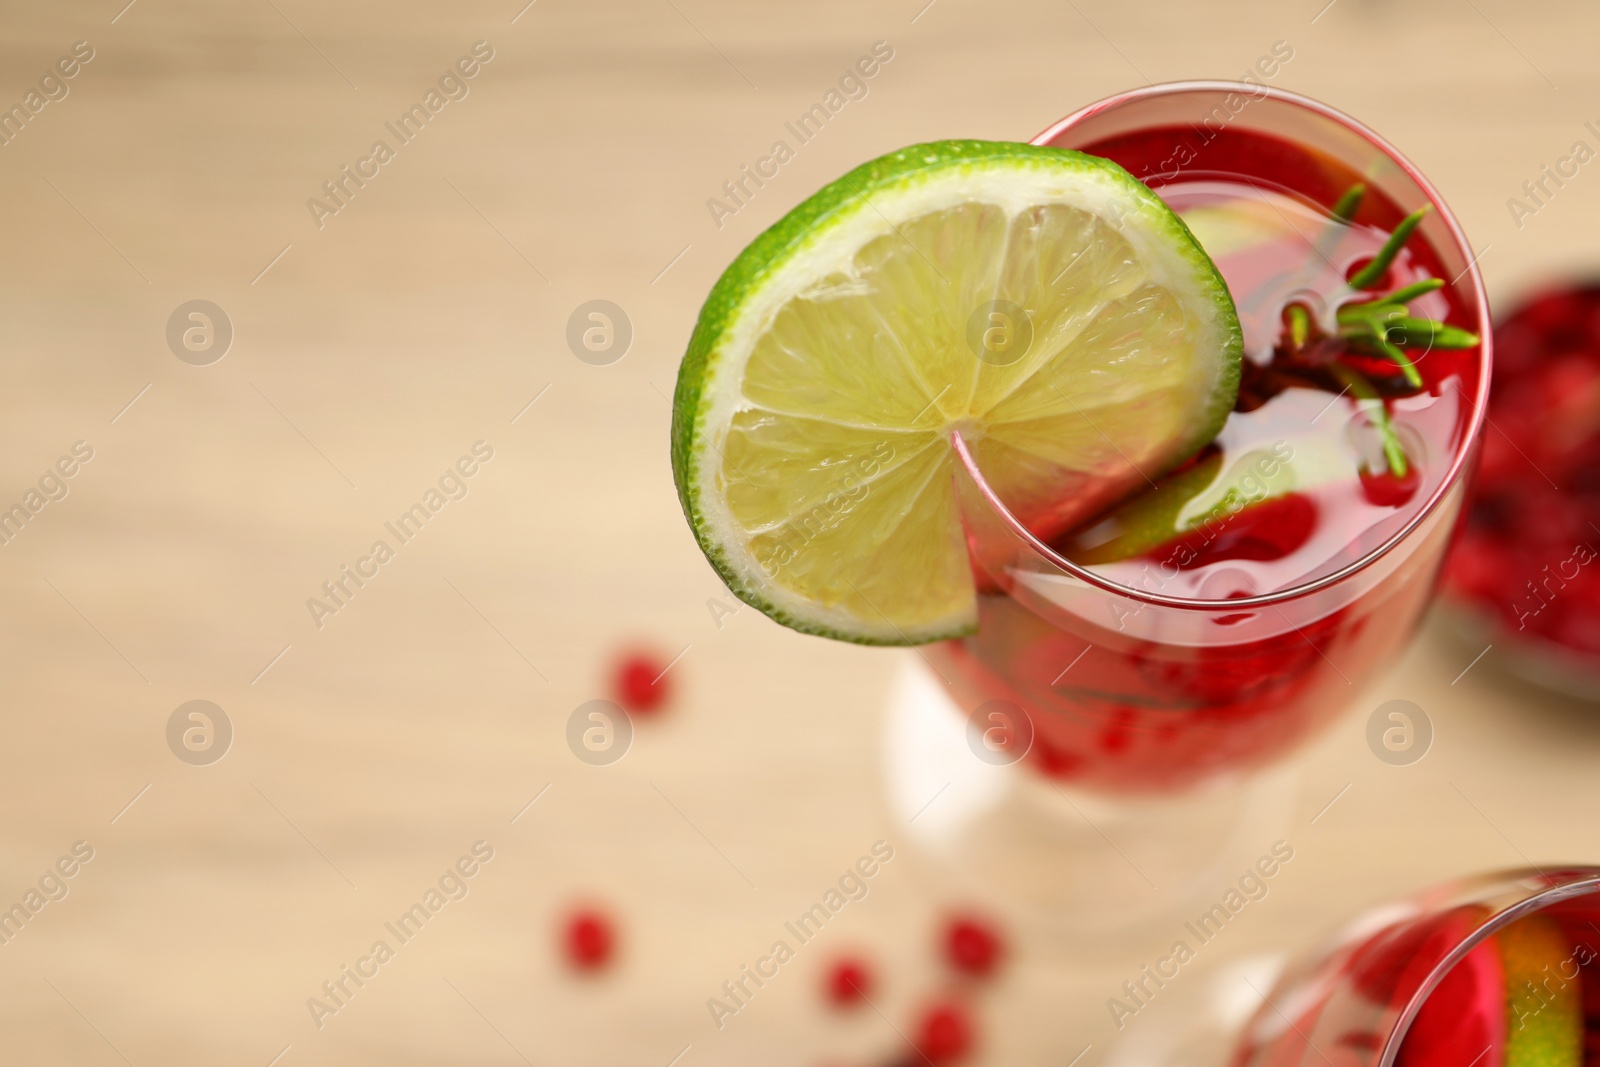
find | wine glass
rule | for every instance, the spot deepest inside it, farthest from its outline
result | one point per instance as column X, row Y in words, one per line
column 1353, row 1001
column 1101, row 751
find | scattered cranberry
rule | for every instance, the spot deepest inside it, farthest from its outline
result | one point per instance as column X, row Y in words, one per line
column 641, row 683
column 944, row 1034
column 972, row 946
column 1052, row 761
column 589, row 940
column 849, row 983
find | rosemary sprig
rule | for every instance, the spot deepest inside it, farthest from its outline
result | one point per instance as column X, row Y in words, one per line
column 1394, row 453
column 1414, row 290
column 1348, row 204
column 1299, row 326
column 1412, row 332
column 1343, row 212
column 1370, row 275
column 1379, row 324
column 1385, row 325
column 1369, row 324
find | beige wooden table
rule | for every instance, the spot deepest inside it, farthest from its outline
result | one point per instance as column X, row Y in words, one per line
column 373, row 350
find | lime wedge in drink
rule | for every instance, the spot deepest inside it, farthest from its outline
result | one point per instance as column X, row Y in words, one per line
column 1042, row 302
column 1211, row 496
column 1544, row 1010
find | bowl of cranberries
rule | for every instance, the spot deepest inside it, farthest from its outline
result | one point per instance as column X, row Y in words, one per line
column 1525, row 573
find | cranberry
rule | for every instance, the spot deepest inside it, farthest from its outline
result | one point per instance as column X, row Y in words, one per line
column 944, row 1034
column 1052, row 761
column 849, row 982
column 972, row 946
column 588, row 939
column 640, row 683
column 1385, row 489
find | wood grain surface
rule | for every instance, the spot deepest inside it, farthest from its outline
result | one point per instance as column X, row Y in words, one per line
column 374, row 346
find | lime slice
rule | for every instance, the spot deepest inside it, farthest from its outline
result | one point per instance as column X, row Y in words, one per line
column 1544, row 1004
column 1210, row 495
column 1042, row 302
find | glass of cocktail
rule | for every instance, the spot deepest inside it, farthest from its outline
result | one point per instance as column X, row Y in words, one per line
column 1498, row 970
column 1149, row 666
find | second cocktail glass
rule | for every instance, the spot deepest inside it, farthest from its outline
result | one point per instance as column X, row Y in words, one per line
column 1354, row 1002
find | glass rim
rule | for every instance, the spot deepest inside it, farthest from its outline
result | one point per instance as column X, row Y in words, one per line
column 1480, row 401
column 1566, row 883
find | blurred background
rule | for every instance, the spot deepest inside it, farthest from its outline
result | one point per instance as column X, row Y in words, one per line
column 350, row 359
